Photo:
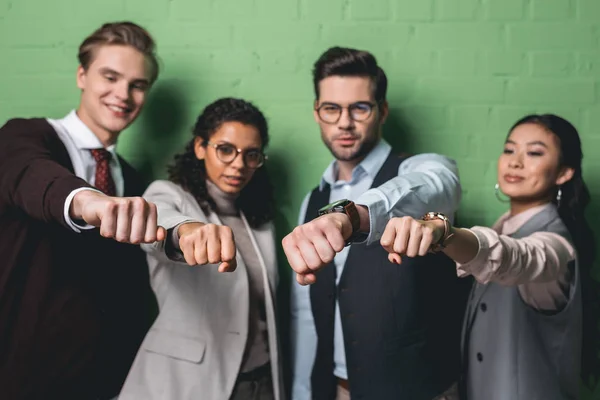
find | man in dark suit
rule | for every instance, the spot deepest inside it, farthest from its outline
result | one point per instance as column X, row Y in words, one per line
column 74, row 300
column 366, row 328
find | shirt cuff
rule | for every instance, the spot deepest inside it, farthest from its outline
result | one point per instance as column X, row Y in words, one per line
column 172, row 250
column 378, row 217
column 479, row 267
column 72, row 224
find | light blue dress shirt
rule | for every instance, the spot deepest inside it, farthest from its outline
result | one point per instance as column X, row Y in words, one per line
column 425, row 182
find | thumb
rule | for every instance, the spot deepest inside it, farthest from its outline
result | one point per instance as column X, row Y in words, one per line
column 395, row 258
column 161, row 234
column 228, row 266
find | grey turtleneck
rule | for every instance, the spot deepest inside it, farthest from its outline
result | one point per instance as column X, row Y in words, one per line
column 257, row 350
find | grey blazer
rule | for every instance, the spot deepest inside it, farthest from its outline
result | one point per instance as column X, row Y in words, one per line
column 194, row 348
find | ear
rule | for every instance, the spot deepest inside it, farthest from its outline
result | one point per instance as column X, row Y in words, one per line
column 565, row 174
column 81, row 75
column 315, row 112
column 199, row 150
column 384, row 111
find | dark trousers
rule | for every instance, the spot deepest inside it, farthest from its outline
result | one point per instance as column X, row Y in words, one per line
column 254, row 385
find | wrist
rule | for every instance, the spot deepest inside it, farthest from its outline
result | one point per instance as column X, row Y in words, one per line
column 79, row 201
column 188, row 227
column 444, row 230
column 365, row 219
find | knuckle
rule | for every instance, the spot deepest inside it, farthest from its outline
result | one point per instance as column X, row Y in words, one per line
column 211, row 228
column 227, row 231
column 298, row 231
column 111, row 206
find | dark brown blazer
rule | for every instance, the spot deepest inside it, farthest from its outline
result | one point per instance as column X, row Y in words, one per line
column 74, row 308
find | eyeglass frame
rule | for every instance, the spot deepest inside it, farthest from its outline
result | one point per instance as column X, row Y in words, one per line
column 371, row 105
column 238, row 152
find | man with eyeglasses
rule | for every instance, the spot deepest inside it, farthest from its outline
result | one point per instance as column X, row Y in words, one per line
column 365, row 327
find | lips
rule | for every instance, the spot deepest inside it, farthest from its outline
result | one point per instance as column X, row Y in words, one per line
column 513, row 178
column 233, row 180
column 119, row 111
column 346, row 141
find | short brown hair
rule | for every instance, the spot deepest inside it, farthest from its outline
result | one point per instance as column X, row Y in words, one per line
column 120, row 33
column 343, row 61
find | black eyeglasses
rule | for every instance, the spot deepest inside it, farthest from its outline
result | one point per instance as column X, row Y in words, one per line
column 226, row 152
column 330, row 113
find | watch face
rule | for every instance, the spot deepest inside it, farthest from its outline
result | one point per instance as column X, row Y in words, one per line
column 335, row 206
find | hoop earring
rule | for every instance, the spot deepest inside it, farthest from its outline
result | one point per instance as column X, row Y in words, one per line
column 558, row 197
column 497, row 192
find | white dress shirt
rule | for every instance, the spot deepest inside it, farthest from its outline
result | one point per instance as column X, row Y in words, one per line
column 79, row 140
column 425, row 182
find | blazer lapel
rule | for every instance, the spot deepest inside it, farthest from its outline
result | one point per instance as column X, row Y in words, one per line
column 263, row 243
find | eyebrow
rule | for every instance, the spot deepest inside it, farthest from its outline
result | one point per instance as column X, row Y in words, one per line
column 535, row 142
column 106, row 70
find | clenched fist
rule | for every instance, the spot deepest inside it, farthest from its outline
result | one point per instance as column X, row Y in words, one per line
column 411, row 237
column 125, row 219
column 208, row 244
column 311, row 246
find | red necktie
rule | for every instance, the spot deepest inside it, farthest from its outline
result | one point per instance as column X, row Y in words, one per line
column 104, row 180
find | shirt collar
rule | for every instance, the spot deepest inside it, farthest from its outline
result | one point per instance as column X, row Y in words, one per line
column 83, row 136
column 371, row 164
column 508, row 225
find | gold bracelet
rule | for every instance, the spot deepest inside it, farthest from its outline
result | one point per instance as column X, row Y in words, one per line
column 441, row 243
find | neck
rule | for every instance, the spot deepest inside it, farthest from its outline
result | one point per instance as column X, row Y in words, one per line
column 345, row 169
column 517, row 207
column 225, row 202
column 106, row 138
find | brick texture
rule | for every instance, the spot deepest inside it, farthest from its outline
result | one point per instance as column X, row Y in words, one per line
column 461, row 73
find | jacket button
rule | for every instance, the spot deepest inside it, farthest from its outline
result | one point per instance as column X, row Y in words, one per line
column 479, row 357
column 483, row 307
column 354, row 342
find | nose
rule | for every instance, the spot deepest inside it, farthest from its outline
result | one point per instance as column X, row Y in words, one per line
column 516, row 160
column 122, row 91
column 238, row 161
column 346, row 122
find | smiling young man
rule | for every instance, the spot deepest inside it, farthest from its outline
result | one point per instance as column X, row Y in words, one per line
column 367, row 328
column 75, row 301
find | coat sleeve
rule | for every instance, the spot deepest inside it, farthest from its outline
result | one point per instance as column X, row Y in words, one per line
column 32, row 177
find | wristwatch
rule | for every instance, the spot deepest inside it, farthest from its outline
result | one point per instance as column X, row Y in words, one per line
column 445, row 239
column 345, row 207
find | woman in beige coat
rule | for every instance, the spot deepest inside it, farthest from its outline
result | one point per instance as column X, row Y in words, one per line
column 215, row 337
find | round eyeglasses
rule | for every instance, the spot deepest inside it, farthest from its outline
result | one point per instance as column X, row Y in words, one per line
column 330, row 113
column 226, row 152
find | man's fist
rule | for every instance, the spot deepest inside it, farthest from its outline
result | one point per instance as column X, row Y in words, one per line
column 311, row 246
column 208, row 244
column 125, row 219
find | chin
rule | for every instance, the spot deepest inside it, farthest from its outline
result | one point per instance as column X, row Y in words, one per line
column 345, row 154
column 113, row 128
column 231, row 189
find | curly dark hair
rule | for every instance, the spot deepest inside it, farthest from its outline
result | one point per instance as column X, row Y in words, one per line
column 256, row 199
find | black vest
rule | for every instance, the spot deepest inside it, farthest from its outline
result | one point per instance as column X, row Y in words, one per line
column 401, row 323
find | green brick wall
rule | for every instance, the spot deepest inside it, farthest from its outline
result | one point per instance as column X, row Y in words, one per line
column 461, row 72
